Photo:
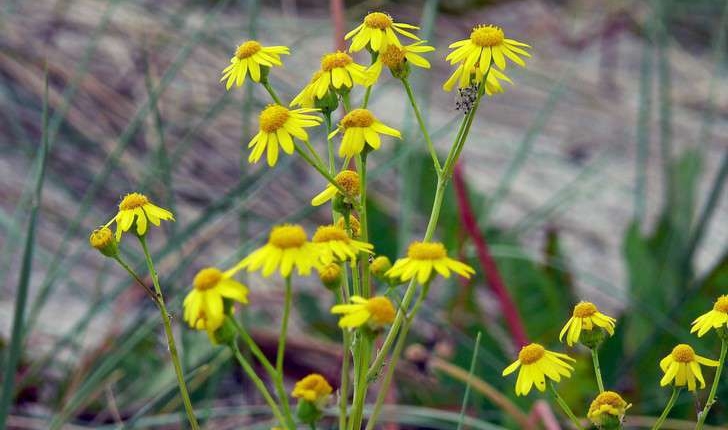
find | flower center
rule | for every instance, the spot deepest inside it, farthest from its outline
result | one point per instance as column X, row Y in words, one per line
column 487, row 35
column 101, row 237
column 531, row 353
column 354, row 224
column 584, row 310
column 133, row 201
column 381, row 310
column 287, row 236
column 721, row 305
column 426, row 251
column 273, row 117
column 358, row 118
column 337, row 59
column 313, row 387
column 378, row 20
column 609, row 398
column 247, row 49
column 207, row 278
column 329, row 233
column 348, row 179
column 393, row 57
column 683, row 353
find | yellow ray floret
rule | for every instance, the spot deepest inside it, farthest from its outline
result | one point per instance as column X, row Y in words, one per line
column 278, row 126
column 250, row 57
column 204, row 306
column 536, row 364
column 682, row 366
column 360, row 127
column 287, row 247
column 135, row 209
column 395, row 57
column 423, row 260
column 375, row 312
column 585, row 317
column 486, row 44
column 338, row 71
column 715, row 318
column 475, row 77
column 313, row 388
column 336, row 246
column 378, row 31
column 606, row 405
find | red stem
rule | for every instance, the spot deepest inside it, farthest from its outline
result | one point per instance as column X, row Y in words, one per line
column 337, row 17
column 467, row 217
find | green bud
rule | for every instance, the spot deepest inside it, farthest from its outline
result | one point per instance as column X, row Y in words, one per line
column 104, row 241
column 592, row 338
column 308, row 412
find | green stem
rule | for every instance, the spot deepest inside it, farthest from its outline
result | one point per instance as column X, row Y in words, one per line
column 361, row 166
column 138, row 280
column 346, row 102
column 170, row 337
column 344, row 388
column 714, row 389
column 360, row 380
column 565, row 407
column 320, row 169
column 284, row 327
column 367, row 93
column 421, row 122
column 272, row 92
column 330, row 143
column 668, row 407
column 313, row 152
column 597, row 369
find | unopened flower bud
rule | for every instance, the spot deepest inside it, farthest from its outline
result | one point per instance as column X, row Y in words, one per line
column 330, row 276
column 103, row 239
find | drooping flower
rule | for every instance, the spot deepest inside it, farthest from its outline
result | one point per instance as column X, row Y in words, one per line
column 378, row 31
column 335, row 245
column 135, row 209
column 313, row 388
column 250, row 57
column 607, row 410
column 278, row 126
column 475, row 77
column 348, row 180
column 536, row 364
column 715, row 318
column 487, row 43
column 287, row 247
column 338, row 71
column 423, row 260
column 103, row 240
column 307, row 97
column 682, row 366
column 204, row 305
column 397, row 57
column 360, row 127
column 376, row 312
column 585, row 317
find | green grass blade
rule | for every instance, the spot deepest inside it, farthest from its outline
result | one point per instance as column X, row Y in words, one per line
column 466, row 396
column 643, row 132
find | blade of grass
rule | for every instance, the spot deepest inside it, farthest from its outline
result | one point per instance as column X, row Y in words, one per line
column 471, row 371
column 643, row 131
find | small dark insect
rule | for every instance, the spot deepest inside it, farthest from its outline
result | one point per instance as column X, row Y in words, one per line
column 466, row 98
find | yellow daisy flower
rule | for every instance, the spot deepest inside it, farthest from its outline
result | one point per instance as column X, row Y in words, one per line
column 338, row 71
column 608, row 407
column 346, row 179
column 135, row 209
column 378, row 31
column 361, row 127
column 287, row 247
column 307, row 97
column 335, row 245
column 422, row 258
column 716, row 318
column 249, row 58
column 204, row 305
column 278, row 126
column 475, row 77
column 396, row 57
column 536, row 364
column 313, row 388
column 683, row 366
column 586, row 316
column 375, row 312
column 487, row 43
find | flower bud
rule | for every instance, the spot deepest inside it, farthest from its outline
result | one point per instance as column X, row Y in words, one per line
column 607, row 411
column 379, row 267
column 103, row 240
column 330, row 276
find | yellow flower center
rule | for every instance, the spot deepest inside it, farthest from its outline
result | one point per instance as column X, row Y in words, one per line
column 426, row 251
column 378, row 20
column 273, row 117
column 349, row 181
column 584, row 310
column 329, row 233
column 101, row 238
column 393, row 57
column 609, row 398
column 683, row 353
column 247, row 49
column 337, row 59
column 380, row 265
column 358, row 118
column 330, row 273
column 133, row 201
column 207, row 278
column 531, row 353
column 381, row 310
column 287, row 236
column 353, row 223
column 487, row 35
column 721, row 305
column 313, row 387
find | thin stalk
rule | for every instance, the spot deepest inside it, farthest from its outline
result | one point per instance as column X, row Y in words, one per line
column 152, row 295
column 367, row 93
column 565, row 407
column 597, row 369
column 471, row 371
column 360, row 382
column 170, row 337
column 346, row 102
column 313, row 152
column 361, row 166
column 330, row 143
column 284, row 326
column 344, row 386
column 272, row 92
column 714, row 389
column 668, row 407
column 421, row 122
column 319, row 169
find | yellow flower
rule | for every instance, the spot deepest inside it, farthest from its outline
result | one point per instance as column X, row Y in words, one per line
column 287, row 247
column 348, row 180
column 716, row 318
column 335, row 245
column 361, row 127
column 354, row 225
column 608, row 407
column 395, row 57
column 586, row 316
column 338, row 70
column 422, row 258
column 249, row 58
column 487, row 43
column 683, row 366
column 277, row 126
column 536, row 364
column 377, row 31
column 103, row 240
column 307, row 97
column 376, row 312
column 475, row 77
column 136, row 209
column 330, row 275
column 204, row 306
column 313, row 388
column 380, row 265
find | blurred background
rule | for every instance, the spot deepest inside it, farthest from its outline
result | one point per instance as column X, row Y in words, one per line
column 599, row 175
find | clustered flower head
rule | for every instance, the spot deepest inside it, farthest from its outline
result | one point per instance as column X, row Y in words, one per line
column 377, row 32
column 585, row 318
column 536, row 363
column 423, row 260
column 204, row 305
column 682, row 367
column 717, row 318
column 361, row 127
column 253, row 58
column 375, row 312
column 347, row 180
column 335, row 245
column 288, row 247
column 135, row 210
column 278, row 126
column 607, row 410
